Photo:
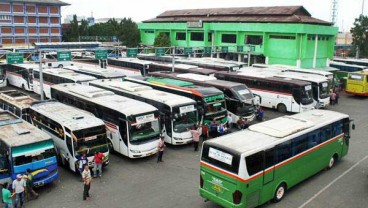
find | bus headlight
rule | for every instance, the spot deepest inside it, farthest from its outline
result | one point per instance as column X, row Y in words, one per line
column 135, row 151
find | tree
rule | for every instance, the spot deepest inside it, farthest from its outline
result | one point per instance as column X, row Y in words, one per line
column 162, row 40
column 360, row 35
column 130, row 35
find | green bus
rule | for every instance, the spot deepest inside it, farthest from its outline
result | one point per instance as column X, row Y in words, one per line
column 251, row 167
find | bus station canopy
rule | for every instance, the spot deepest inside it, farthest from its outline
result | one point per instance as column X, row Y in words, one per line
column 67, row 46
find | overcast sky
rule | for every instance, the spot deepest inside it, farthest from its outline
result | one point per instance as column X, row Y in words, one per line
column 140, row 10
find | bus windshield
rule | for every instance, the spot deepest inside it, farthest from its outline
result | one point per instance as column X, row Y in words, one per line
column 2, row 73
column 90, row 141
column 184, row 117
column 323, row 90
column 26, row 159
column 215, row 107
column 307, row 96
column 242, row 92
column 141, row 132
column 356, row 77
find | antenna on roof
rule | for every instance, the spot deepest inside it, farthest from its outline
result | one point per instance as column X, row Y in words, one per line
column 334, row 10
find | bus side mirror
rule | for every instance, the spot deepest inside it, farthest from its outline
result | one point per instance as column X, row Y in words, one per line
column 353, row 126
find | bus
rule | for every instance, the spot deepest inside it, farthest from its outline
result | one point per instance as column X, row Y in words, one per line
column 2, row 75
column 20, row 75
column 99, row 73
column 345, row 68
column 285, row 95
column 22, row 147
column 17, row 103
column 360, row 62
column 57, row 76
column 210, row 101
column 133, row 127
column 74, row 131
column 357, row 83
column 240, row 101
column 248, row 168
column 320, row 86
column 180, row 68
column 178, row 113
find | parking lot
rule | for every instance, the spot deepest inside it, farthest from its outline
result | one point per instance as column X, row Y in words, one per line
column 174, row 183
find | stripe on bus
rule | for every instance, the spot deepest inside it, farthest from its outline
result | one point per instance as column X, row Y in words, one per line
column 279, row 165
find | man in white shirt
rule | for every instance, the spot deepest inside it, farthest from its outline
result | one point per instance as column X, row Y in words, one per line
column 19, row 187
column 229, row 121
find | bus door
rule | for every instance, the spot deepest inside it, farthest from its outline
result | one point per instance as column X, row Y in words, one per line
column 269, row 166
column 4, row 167
column 123, row 139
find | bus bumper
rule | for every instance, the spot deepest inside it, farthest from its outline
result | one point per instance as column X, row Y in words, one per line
column 49, row 179
column 143, row 154
column 211, row 197
column 357, row 93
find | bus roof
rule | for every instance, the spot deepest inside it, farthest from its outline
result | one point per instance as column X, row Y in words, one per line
column 17, row 98
column 71, row 117
column 145, row 92
column 270, row 79
column 132, row 60
column 108, row 73
column 345, row 64
column 67, row 74
column 304, row 77
column 106, row 98
column 270, row 133
column 194, row 89
column 16, row 132
column 351, row 60
column 168, row 81
column 186, row 68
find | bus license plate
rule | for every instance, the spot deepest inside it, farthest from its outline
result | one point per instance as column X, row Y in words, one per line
column 217, row 188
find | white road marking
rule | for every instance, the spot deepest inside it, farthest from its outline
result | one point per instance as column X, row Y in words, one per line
column 332, row 182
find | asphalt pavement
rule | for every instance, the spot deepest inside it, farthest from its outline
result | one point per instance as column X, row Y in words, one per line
column 137, row 183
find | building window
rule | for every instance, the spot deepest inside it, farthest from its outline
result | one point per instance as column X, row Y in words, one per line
column 17, row 8
column 4, row 7
column 31, row 9
column 196, row 36
column 54, row 10
column 181, row 36
column 42, row 9
column 54, row 20
column 311, row 37
column 209, row 37
column 254, row 39
column 18, row 20
column 228, row 38
column 149, row 31
column 285, row 37
column 5, row 17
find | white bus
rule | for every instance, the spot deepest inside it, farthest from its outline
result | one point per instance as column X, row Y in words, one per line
column 248, row 168
column 2, row 75
column 74, row 131
column 285, row 95
column 17, row 103
column 320, row 86
column 20, row 75
column 57, row 76
column 133, row 127
column 99, row 73
column 178, row 113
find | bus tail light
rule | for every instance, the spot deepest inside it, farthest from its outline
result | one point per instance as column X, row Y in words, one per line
column 237, row 196
column 201, row 181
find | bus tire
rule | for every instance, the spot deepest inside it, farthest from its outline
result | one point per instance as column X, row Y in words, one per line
column 111, row 147
column 279, row 193
column 332, row 161
column 281, row 108
column 60, row 66
column 23, row 87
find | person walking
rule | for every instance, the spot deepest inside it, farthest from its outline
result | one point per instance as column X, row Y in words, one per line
column 229, row 121
column 204, row 132
column 30, row 193
column 213, row 128
column 98, row 158
column 332, row 98
column 337, row 96
column 7, row 196
column 195, row 136
column 161, row 148
column 87, row 179
column 19, row 187
column 81, row 162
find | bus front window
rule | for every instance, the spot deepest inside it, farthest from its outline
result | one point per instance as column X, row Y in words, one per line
column 89, row 141
column 183, row 121
column 215, row 107
column 26, row 158
column 142, row 132
column 242, row 92
column 306, row 95
column 323, row 90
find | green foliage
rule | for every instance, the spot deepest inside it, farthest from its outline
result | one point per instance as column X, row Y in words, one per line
column 360, row 34
column 162, row 40
column 126, row 31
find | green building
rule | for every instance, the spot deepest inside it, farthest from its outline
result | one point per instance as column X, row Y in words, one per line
column 277, row 35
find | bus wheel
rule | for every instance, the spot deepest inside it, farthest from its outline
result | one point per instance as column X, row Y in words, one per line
column 111, row 147
column 279, row 193
column 23, row 88
column 281, row 108
column 60, row 66
column 332, row 161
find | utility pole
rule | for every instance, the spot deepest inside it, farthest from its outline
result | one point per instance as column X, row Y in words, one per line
column 363, row 8
column 334, row 10
column 173, row 60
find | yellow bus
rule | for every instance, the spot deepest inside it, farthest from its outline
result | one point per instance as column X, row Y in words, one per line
column 357, row 83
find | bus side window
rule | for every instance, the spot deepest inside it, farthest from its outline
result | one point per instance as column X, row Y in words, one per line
column 299, row 145
column 314, row 139
column 254, row 163
column 326, row 133
column 269, row 158
column 297, row 95
column 69, row 144
column 283, row 151
column 347, row 127
column 336, row 128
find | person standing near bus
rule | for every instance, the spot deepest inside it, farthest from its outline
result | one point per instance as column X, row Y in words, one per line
column 195, row 136
column 98, row 158
column 29, row 185
column 81, row 162
column 204, row 132
column 7, row 196
column 19, row 187
column 87, row 178
column 229, row 121
column 213, row 128
column 161, row 148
